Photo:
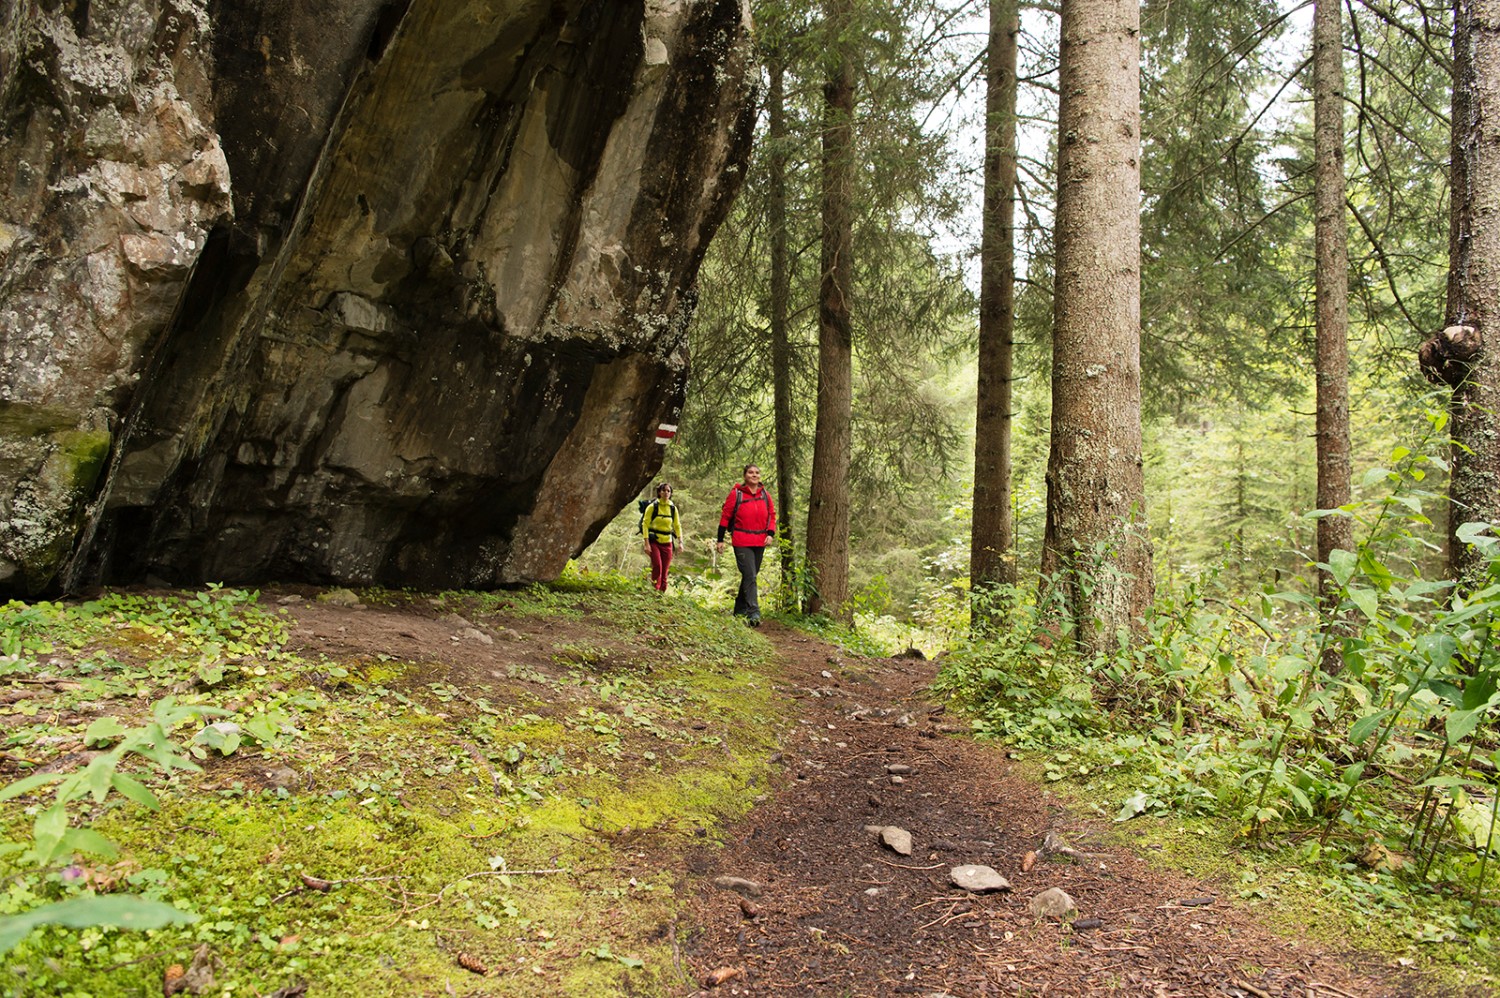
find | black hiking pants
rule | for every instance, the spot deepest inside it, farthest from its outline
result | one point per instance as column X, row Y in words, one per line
column 747, row 600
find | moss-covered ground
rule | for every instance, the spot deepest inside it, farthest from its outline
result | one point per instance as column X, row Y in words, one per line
column 485, row 800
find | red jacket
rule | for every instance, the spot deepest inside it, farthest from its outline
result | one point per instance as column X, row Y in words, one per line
column 754, row 517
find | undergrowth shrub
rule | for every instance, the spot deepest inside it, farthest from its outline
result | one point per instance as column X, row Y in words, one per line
column 1017, row 685
column 1230, row 704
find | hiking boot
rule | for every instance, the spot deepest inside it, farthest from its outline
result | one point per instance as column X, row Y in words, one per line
column 754, row 621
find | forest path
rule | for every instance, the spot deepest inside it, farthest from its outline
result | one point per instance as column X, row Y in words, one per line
column 838, row 913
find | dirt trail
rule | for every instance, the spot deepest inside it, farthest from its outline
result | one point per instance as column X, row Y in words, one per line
column 837, row 913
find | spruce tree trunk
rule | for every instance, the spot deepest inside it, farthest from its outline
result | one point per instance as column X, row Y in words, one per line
column 1096, row 540
column 1474, row 282
column 991, row 555
column 781, row 349
column 828, row 501
column 1332, row 280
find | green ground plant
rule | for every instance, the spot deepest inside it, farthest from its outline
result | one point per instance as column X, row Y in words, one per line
column 316, row 813
column 1374, row 781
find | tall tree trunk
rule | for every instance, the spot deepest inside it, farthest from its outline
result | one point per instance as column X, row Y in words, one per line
column 1466, row 356
column 1332, row 279
column 992, row 560
column 828, row 501
column 781, row 348
column 1096, row 538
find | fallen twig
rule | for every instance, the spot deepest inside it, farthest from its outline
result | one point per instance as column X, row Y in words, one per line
column 677, row 952
column 940, row 917
column 478, row 757
column 486, row 835
column 310, row 883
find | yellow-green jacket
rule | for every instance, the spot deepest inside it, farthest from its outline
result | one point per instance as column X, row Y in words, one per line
column 661, row 525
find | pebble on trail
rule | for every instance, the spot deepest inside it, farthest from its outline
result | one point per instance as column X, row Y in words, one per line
column 739, row 884
column 978, row 879
column 1054, row 902
column 898, row 840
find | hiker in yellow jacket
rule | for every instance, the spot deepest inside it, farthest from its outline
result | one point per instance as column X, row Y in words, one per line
column 661, row 529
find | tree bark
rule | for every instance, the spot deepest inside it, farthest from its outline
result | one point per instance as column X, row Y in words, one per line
column 781, row 348
column 1474, row 281
column 992, row 559
column 1332, row 280
column 1096, row 544
column 828, row 501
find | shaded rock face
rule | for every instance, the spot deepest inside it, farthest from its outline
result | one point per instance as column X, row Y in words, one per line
column 348, row 291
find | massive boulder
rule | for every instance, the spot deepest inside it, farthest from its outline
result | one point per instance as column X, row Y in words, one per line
column 348, row 290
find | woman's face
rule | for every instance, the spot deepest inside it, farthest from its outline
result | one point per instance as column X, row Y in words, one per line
column 664, row 492
column 752, row 476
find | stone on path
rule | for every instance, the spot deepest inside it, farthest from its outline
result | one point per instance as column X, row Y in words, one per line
column 978, row 879
column 898, row 840
column 281, row 776
column 747, row 887
column 475, row 634
column 341, row 597
column 898, row 769
column 1054, row 902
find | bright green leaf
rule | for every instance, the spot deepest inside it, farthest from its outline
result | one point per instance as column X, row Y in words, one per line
column 1367, row 600
column 130, row 787
column 1461, row 724
column 125, row 911
column 27, row 784
column 1365, row 726
column 1136, row 804
column 87, row 840
column 1341, row 565
column 104, row 731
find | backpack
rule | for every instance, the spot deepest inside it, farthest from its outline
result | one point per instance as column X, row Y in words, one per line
column 645, row 504
column 739, row 497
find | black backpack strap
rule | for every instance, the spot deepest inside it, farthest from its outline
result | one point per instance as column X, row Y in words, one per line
column 653, row 530
column 739, row 497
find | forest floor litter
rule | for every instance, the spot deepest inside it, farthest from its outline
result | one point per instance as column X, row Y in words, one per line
column 880, row 851
column 837, row 911
column 807, row 897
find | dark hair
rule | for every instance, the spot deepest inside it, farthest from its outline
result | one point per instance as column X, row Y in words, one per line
column 747, row 467
column 663, row 485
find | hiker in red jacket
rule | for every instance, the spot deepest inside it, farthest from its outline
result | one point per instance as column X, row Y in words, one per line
column 749, row 518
